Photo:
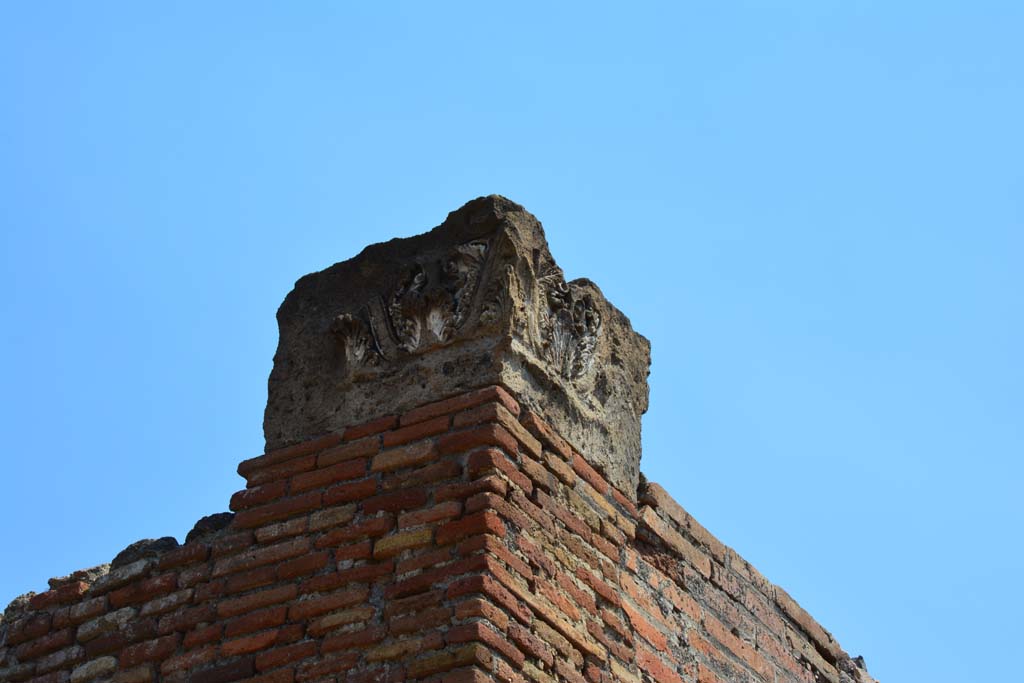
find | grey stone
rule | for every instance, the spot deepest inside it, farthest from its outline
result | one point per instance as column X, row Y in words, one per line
column 102, row 666
column 121, row 575
column 87, row 575
column 18, row 606
column 147, row 547
column 61, row 659
column 17, row 672
column 166, row 603
column 106, row 623
column 209, row 525
column 476, row 301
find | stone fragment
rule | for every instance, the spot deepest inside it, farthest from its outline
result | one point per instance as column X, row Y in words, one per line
column 209, row 525
column 86, row 575
column 146, row 548
column 122, row 575
column 103, row 666
column 117, row 619
column 477, row 301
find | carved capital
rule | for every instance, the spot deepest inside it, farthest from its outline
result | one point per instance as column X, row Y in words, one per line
column 478, row 300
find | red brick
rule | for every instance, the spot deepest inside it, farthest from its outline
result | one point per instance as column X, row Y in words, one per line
column 547, row 436
column 674, row 540
column 427, row 579
column 441, row 511
column 189, row 553
column 248, row 644
column 350, row 491
column 258, row 495
column 150, row 651
column 465, row 489
column 261, row 555
column 460, row 402
column 363, row 448
column 530, row 644
column 588, row 473
column 202, row 635
column 355, row 551
column 282, row 470
column 279, row 676
column 394, row 544
column 370, row 528
column 318, row 604
column 323, row 667
column 229, row 544
column 482, row 608
column 822, row 638
column 246, row 603
column 225, row 673
column 422, row 620
column 343, row 471
column 495, row 412
column 143, row 590
column 298, row 450
column 400, row 457
column 301, row 566
column 381, row 424
column 42, row 601
column 285, row 655
column 489, row 459
column 739, row 647
column 480, row 632
column 71, row 591
column 24, row 673
column 27, row 628
column 650, row 663
column 355, row 639
column 655, row 496
column 485, row 585
column 395, row 501
column 415, row 432
column 186, row 619
column 484, row 435
column 484, row 522
column 282, row 509
column 644, row 628
column 569, row 674
column 429, row 558
column 627, row 504
column 562, row 513
column 449, row 468
column 597, row 585
column 188, row 660
column 445, row 661
column 256, row 621
column 44, row 644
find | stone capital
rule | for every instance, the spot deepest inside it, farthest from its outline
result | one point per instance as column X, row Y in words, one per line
column 477, row 300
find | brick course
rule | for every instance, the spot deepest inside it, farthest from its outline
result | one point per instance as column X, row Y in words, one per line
column 464, row 540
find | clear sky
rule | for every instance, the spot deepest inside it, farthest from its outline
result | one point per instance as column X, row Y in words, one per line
column 812, row 209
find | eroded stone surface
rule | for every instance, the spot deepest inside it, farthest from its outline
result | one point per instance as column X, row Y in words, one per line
column 478, row 300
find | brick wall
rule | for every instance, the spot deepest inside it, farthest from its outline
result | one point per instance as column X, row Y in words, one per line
column 461, row 541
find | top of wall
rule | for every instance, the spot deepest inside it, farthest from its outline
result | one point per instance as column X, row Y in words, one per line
column 477, row 300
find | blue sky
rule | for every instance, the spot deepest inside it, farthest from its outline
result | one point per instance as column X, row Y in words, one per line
column 812, row 209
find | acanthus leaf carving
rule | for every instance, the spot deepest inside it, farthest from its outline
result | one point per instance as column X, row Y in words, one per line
column 357, row 341
column 569, row 327
column 433, row 301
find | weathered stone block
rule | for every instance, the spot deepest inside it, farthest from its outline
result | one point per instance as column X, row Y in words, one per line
column 476, row 301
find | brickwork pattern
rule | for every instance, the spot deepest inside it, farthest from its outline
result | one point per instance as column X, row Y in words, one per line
column 462, row 541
